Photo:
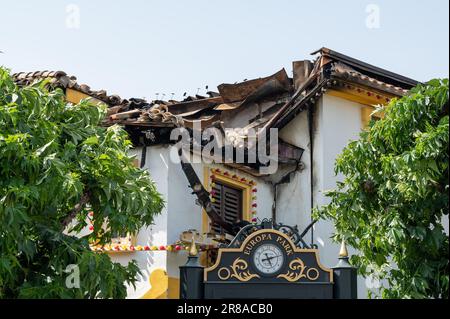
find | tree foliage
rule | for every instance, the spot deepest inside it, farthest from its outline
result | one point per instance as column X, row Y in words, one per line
column 56, row 164
column 394, row 194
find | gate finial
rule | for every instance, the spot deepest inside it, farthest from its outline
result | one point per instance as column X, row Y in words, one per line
column 193, row 251
column 343, row 253
column 345, row 284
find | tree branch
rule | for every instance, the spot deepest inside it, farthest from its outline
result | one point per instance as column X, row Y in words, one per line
column 78, row 207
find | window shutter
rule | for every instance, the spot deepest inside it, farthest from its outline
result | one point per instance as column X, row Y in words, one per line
column 217, row 206
column 228, row 203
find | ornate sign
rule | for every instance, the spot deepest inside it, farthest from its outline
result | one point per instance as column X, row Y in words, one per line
column 268, row 260
column 268, row 256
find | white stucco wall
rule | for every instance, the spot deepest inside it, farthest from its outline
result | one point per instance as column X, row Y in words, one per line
column 157, row 164
column 294, row 199
column 337, row 122
column 183, row 213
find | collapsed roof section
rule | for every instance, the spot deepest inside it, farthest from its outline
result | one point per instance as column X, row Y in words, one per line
column 269, row 102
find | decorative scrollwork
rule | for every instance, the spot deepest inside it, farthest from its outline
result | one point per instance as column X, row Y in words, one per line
column 297, row 271
column 238, row 271
column 243, row 233
column 291, row 232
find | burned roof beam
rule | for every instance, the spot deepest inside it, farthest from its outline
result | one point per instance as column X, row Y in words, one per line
column 240, row 91
column 309, row 98
column 203, row 197
column 195, row 105
column 293, row 100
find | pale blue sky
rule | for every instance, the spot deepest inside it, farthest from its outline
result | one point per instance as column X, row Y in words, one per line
column 138, row 48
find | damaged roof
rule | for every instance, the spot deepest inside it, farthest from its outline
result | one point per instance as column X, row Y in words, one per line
column 270, row 101
column 266, row 102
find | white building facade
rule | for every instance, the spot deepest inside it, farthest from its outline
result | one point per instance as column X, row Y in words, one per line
column 326, row 104
column 338, row 122
column 338, row 114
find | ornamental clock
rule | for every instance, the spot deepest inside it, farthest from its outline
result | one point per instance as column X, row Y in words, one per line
column 268, row 259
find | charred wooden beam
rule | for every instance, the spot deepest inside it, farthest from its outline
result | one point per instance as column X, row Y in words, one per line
column 240, row 91
column 203, row 196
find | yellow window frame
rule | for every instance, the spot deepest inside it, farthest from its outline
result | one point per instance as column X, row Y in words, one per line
column 246, row 189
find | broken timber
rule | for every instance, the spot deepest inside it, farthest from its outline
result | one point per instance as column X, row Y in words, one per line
column 203, row 196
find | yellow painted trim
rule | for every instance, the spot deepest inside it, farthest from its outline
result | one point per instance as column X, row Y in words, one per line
column 368, row 103
column 240, row 249
column 365, row 115
column 205, row 219
column 74, row 96
column 173, row 291
column 360, row 98
column 159, row 282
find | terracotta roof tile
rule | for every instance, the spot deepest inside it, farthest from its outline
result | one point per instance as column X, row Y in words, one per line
column 343, row 70
column 62, row 80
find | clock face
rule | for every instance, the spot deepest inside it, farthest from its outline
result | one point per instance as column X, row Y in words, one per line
column 268, row 259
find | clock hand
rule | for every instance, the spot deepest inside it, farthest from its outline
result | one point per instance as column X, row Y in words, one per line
column 268, row 259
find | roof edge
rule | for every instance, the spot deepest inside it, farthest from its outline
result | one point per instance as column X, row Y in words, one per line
column 366, row 66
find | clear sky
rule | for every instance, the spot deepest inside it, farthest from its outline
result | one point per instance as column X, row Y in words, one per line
column 138, row 48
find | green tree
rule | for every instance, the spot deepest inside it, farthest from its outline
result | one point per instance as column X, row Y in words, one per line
column 394, row 194
column 56, row 164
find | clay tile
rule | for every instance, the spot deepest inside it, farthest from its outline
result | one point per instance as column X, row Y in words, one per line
column 85, row 88
column 115, row 100
column 72, row 85
column 63, row 80
column 101, row 94
column 60, row 73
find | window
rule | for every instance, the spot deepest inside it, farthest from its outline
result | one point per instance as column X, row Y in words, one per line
column 234, row 198
column 228, row 203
